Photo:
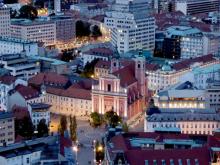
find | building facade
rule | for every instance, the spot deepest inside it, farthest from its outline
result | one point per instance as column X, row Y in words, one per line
column 188, row 122
column 124, row 90
column 4, row 20
column 131, row 26
column 190, row 7
column 7, row 130
column 37, row 30
column 14, row 46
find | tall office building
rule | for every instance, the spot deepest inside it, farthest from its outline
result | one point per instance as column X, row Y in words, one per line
column 131, row 25
column 4, row 20
column 190, row 7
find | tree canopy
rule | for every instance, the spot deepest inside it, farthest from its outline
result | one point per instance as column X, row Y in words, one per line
column 28, row 12
column 24, row 127
column 62, row 125
column 42, row 128
column 73, row 128
column 112, row 118
column 96, row 119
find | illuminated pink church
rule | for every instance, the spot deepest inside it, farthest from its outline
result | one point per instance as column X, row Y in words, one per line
column 123, row 90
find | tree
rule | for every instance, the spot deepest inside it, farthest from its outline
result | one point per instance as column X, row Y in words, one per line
column 89, row 69
column 28, row 12
column 112, row 118
column 96, row 119
column 125, row 127
column 95, row 31
column 42, row 128
column 63, row 125
column 82, row 28
column 73, row 128
column 24, row 127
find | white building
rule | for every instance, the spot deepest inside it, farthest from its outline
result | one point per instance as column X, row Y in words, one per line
column 19, row 65
column 96, row 53
column 182, row 95
column 4, row 20
column 213, row 95
column 23, row 96
column 72, row 101
column 57, row 6
column 10, row 45
column 161, row 77
column 203, row 75
column 131, row 25
column 39, row 30
column 38, row 112
column 190, row 7
column 38, row 151
column 188, row 122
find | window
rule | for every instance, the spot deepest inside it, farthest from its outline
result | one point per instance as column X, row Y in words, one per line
column 109, row 87
column 28, row 160
column 146, row 162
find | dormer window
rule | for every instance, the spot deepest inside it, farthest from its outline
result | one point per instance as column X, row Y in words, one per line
column 139, row 65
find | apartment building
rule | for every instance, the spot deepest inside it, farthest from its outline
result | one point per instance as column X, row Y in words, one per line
column 194, row 122
column 19, row 65
column 39, row 30
column 4, row 20
column 7, row 130
column 10, row 45
column 190, row 7
column 131, row 26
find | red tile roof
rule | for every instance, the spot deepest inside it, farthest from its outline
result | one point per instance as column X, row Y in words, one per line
column 152, row 67
column 48, row 78
column 103, row 64
column 8, row 80
column 106, row 52
column 20, row 112
column 27, row 92
column 138, row 156
column 126, row 75
column 71, row 92
column 186, row 63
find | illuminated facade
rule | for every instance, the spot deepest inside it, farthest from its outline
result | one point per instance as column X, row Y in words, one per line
column 183, row 95
column 124, row 90
column 205, row 122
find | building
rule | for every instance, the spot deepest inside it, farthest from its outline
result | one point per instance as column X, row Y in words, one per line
column 160, row 76
column 65, row 29
column 90, row 9
column 213, row 95
column 102, row 68
column 38, row 112
column 75, row 100
column 190, row 7
column 124, row 90
column 182, row 95
column 162, row 148
column 162, row 6
column 131, row 26
column 24, row 95
column 10, row 45
column 202, row 76
column 19, row 65
column 39, row 30
column 57, row 6
column 5, row 20
column 194, row 122
column 46, row 150
column 48, row 64
column 183, row 42
column 96, row 53
column 7, row 129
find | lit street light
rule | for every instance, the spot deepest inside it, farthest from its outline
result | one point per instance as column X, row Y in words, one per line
column 75, row 149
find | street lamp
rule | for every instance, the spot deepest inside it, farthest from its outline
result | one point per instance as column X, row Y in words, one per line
column 94, row 146
column 75, row 149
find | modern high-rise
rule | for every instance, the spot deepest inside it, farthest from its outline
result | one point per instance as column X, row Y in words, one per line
column 4, row 20
column 131, row 25
column 190, row 7
column 57, row 6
